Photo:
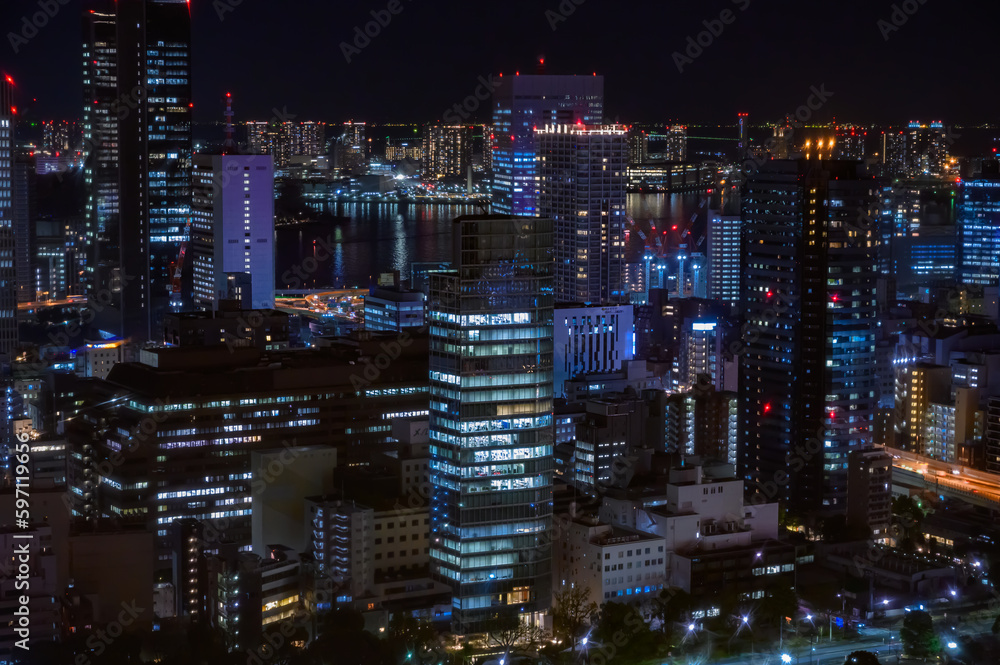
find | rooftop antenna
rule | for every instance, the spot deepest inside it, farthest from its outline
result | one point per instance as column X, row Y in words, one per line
column 230, row 147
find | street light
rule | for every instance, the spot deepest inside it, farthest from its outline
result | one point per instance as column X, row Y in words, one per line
column 786, row 658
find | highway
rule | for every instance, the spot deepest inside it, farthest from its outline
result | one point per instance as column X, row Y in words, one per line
column 952, row 479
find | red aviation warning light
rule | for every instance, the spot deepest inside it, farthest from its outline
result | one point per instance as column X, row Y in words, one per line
column 767, row 407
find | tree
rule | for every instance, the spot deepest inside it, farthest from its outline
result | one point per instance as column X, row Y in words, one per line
column 996, row 626
column 862, row 658
column 781, row 601
column 918, row 636
column 670, row 608
column 621, row 624
column 571, row 612
column 507, row 631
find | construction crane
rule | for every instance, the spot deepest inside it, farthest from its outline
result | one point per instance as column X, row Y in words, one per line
column 176, row 301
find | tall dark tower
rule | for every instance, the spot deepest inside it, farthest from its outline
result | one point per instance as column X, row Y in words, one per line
column 8, row 270
column 808, row 387
column 137, row 125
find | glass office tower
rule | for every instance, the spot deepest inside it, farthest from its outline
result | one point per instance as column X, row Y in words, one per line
column 491, row 421
column 979, row 227
column 520, row 105
column 137, row 132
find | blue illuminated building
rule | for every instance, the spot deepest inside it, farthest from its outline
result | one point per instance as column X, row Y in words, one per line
column 521, row 104
column 491, row 364
column 979, row 227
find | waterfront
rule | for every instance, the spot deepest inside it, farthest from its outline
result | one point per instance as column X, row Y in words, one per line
column 378, row 237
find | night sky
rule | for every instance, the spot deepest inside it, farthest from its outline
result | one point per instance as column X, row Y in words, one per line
column 939, row 64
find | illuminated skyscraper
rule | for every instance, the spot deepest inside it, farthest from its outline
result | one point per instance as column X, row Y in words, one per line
column 724, row 259
column 979, row 227
column 926, row 148
column 491, row 420
column 582, row 175
column 742, row 128
column 352, row 148
column 137, row 131
column 284, row 140
column 8, row 270
column 447, row 150
column 232, row 230
column 807, row 373
column 522, row 104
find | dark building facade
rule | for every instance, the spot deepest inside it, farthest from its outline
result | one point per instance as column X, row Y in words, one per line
column 137, row 132
column 807, row 369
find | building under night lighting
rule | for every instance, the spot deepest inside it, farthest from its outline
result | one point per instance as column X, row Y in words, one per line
column 491, row 421
column 807, row 377
column 522, row 104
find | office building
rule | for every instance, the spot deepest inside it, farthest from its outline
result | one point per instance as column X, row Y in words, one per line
column 724, row 259
column 610, row 430
column 447, row 151
column 491, row 420
column 850, row 143
column 228, row 326
column 393, row 309
column 591, row 340
column 232, row 230
column 869, row 492
column 581, row 175
column 612, row 562
column 520, row 105
column 979, row 227
column 638, row 146
column 8, row 242
column 807, row 376
column 164, row 413
column 992, row 436
column 28, row 243
column 137, row 132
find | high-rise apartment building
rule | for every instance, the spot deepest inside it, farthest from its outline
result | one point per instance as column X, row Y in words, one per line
column 491, row 420
column 582, row 177
column 926, row 148
column 807, row 373
column 352, row 148
column 979, row 227
column 447, row 151
column 137, row 136
column 284, row 140
column 520, row 105
column 893, row 153
column 724, row 258
column 232, row 230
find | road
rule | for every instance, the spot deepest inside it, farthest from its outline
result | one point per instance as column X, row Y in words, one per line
column 953, row 479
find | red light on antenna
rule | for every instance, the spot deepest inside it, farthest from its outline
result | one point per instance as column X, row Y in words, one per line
column 767, row 408
column 517, row 73
column 541, row 61
column 228, row 95
column 13, row 110
column 10, row 79
column 673, row 228
column 835, row 297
